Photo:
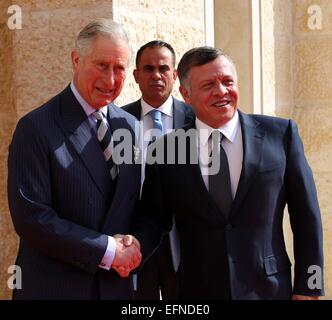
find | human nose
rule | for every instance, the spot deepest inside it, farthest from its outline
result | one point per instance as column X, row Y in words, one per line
column 220, row 89
column 109, row 77
column 156, row 75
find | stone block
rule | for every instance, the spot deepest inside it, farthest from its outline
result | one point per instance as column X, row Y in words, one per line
column 315, row 130
column 312, row 70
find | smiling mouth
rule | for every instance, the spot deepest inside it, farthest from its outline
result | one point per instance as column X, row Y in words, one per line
column 105, row 91
column 221, row 104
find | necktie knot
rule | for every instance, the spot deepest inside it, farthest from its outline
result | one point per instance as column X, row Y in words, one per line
column 216, row 137
column 98, row 115
column 156, row 119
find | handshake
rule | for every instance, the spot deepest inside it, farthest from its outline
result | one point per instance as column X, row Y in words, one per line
column 127, row 254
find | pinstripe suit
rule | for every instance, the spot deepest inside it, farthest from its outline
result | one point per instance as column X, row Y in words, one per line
column 64, row 204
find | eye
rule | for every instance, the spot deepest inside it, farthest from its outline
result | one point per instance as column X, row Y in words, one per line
column 120, row 68
column 164, row 69
column 101, row 65
column 228, row 82
column 148, row 68
column 207, row 85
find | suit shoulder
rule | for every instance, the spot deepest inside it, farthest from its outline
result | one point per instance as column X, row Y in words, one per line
column 271, row 122
column 43, row 112
column 130, row 106
column 184, row 105
column 121, row 113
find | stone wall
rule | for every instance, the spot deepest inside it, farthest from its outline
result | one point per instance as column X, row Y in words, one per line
column 35, row 64
column 8, row 116
column 312, row 85
column 178, row 22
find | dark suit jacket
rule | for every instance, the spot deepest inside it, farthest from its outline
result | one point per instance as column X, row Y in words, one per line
column 245, row 256
column 182, row 115
column 60, row 198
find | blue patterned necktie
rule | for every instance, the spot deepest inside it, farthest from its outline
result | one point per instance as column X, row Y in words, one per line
column 157, row 124
column 104, row 137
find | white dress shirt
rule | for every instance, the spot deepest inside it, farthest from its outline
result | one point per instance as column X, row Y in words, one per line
column 109, row 255
column 232, row 144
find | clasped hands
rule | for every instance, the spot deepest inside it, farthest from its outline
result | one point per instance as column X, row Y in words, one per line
column 127, row 254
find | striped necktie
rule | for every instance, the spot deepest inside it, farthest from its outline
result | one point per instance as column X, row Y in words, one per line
column 105, row 137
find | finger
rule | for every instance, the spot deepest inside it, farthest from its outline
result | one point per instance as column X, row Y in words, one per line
column 118, row 235
column 122, row 271
column 124, row 274
column 128, row 240
column 137, row 258
column 136, row 242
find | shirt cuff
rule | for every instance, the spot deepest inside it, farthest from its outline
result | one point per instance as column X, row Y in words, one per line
column 109, row 255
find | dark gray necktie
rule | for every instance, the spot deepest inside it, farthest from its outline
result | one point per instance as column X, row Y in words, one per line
column 105, row 136
column 220, row 183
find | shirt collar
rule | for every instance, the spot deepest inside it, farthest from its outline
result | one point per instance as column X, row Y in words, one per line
column 229, row 129
column 165, row 108
column 86, row 107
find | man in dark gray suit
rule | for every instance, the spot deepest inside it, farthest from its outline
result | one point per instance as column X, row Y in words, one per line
column 155, row 74
column 68, row 196
column 230, row 222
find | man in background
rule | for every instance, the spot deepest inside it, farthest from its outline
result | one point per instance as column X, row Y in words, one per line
column 159, row 113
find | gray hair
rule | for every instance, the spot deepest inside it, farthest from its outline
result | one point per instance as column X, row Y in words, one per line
column 103, row 27
column 198, row 57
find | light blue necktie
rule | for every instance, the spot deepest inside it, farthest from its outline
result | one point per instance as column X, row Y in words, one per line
column 157, row 124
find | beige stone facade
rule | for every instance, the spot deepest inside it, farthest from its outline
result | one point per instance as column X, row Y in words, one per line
column 284, row 68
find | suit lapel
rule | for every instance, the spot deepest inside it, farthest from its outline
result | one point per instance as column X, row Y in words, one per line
column 126, row 173
column 76, row 126
column 253, row 138
column 136, row 109
column 179, row 116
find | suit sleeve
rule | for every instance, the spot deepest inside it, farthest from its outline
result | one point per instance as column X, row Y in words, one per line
column 305, row 219
column 33, row 210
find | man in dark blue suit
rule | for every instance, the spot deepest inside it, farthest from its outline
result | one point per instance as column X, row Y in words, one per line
column 155, row 74
column 68, row 195
column 230, row 221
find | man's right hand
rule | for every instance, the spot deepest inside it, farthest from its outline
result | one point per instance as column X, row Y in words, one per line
column 127, row 255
